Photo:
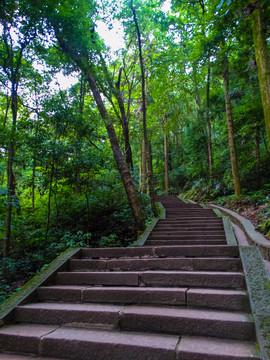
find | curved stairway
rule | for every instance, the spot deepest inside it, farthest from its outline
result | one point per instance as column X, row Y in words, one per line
column 181, row 296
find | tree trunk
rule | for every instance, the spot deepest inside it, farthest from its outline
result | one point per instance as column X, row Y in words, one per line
column 11, row 184
column 144, row 169
column 124, row 122
column 151, row 181
column 258, row 154
column 208, row 123
column 144, row 109
column 6, row 112
column 166, row 161
column 48, row 213
column 262, row 60
column 177, row 144
column 33, row 183
column 182, row 143
column 233, row 154
column 120, row 161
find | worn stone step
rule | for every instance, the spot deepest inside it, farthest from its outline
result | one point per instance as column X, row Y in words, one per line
column 69, row 314
column 189, row 233
column 176, row 229
column 157, row 236
column 197, row 250
column 196, row 218
column 154, row 278
column 190, row 220
column 234, row 280
column 23, row 338
column 231, row 325
column 161, row 251
column 185, row 229
column 151, row 242
column 192, row 297
column 219, row 264
column 84, row 344
column 191, row 212
column 143, row 318
column 26, row 357
column 113, row 294
column 188, row 226
column 98, row 278
column 226, row 299
column 116, row 252
column 206, row 348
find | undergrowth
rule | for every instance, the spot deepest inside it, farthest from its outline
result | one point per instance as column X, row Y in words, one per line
column 254, row 205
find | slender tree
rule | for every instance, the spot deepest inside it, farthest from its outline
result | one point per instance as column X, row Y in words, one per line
column 233, row 153
column 166, row 159
column 12, row 63
column 208, row 124
column 144, row 112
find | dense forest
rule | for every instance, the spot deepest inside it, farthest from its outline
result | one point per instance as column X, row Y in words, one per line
column 178, row 101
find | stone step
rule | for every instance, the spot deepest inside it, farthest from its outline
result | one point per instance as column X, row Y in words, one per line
column 151, row 242
column 185, row 229
column 143, row 318
column 191, row 212
column 190, row 222
column 195, row 219
column 206, row 348
column 113, row 294
column 198, row 233
column 26, row 357
column 196, row 322
column 86, row 344
column 233, row 280
column 161, row 251
column 192, row 297
column 217, row 279
column 157, row 236
column 219, row 264
column 185, row 215
column 226, row 299
column 188, row 228
column 197, row 250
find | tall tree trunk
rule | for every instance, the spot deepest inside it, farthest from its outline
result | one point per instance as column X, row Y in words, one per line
column 177, row 144
column 6, row 112
column 124, row 122
column 208, row 123
column 118, row 156
column 48, row 212
column 144, row 169
column 233, row 154
column 151, row 181
column 10, row 199
column 11, row 184
column 262, row 60
column 182, row 143
column 258, row 154
column 146, row 140
column 120, row 161
column 166, row 161
column 33, row 183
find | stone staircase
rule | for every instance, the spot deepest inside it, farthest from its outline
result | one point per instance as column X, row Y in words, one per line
column 181, row 296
